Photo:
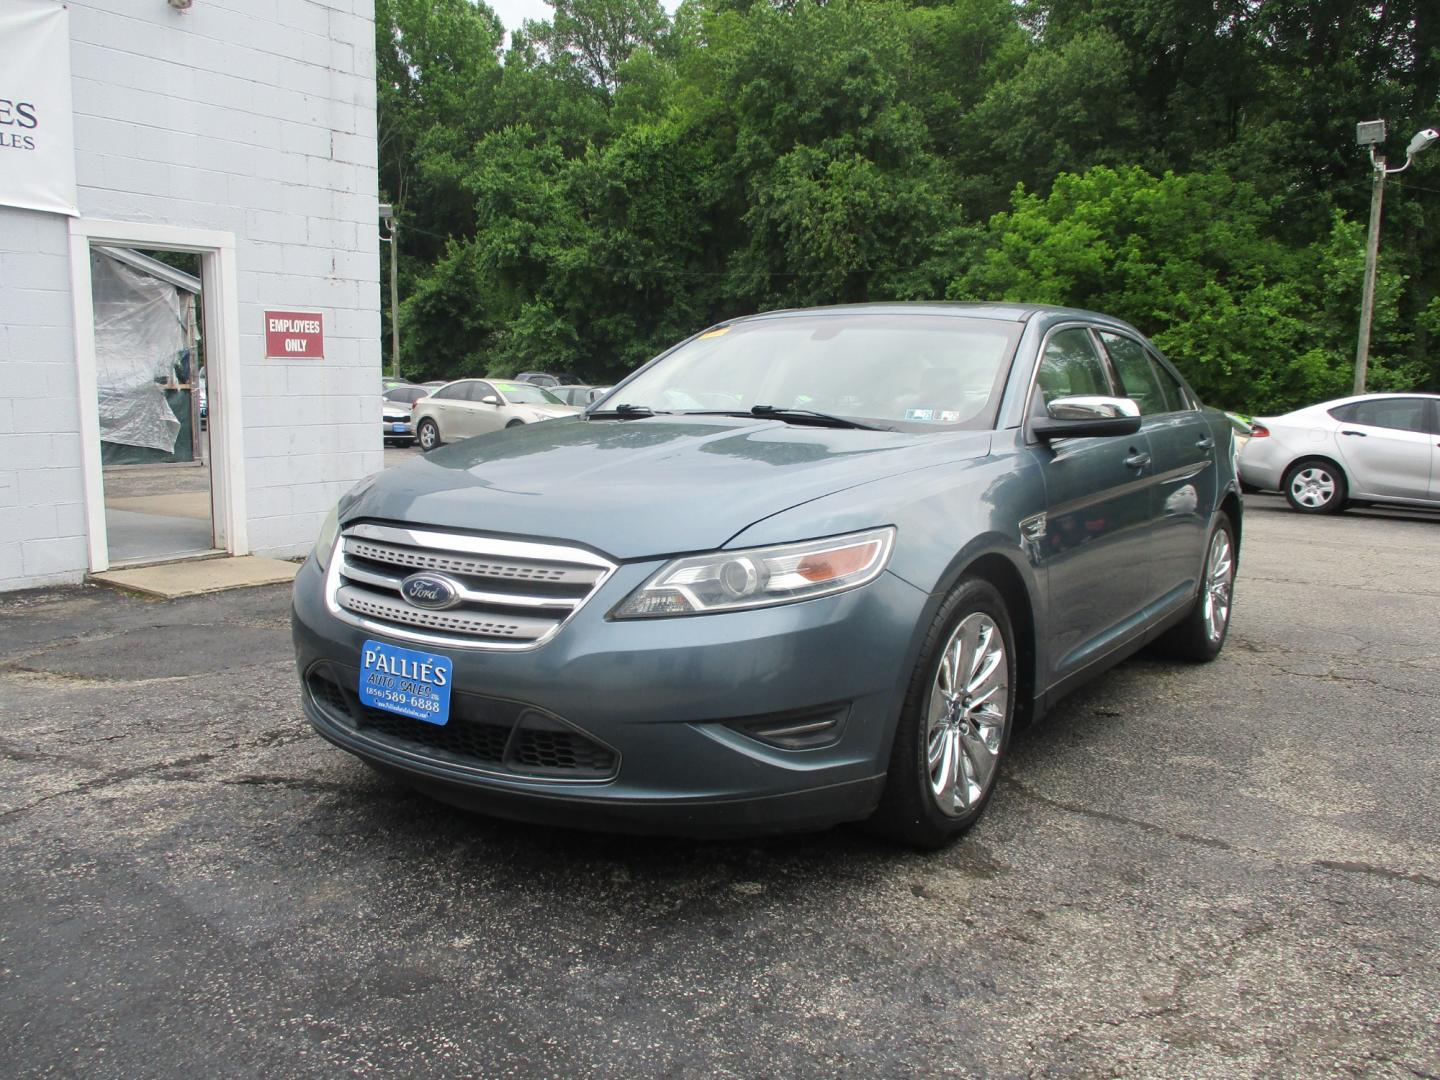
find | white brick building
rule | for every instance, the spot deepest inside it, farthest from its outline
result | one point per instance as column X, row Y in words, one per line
column 243, row 130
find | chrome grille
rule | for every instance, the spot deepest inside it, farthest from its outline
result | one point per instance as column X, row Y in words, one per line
column 510, row 595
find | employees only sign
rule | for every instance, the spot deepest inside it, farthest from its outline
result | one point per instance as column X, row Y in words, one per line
column 296, row 334
column 37, row 124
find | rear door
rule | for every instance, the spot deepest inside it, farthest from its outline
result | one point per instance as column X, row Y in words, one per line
column 1095, row 544
column 1387, row 446
column 445, row 409
column 1183, row 444
column 475, row 417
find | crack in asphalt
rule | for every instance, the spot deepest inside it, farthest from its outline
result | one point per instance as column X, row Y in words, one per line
column 1347, row 867
column 275, row 737
column 1149, row 827
column 1120, row 819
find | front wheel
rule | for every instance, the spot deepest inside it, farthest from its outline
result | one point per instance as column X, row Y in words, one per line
column 429, row 434
column 1314, row 487
column 956, row 721
column 515, row 423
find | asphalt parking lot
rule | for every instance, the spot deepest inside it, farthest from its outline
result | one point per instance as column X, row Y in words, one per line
column 1220, row 871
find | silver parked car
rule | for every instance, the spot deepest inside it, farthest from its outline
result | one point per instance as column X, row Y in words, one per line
column 579, row 395
column 1374, row 448
column 469, row 407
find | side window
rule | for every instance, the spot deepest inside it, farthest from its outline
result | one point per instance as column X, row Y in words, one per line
column 1070, row 367
column 476, row 390
column 453, row 392
column 1400, row 414
column 1142, row 378
column 1174, row 393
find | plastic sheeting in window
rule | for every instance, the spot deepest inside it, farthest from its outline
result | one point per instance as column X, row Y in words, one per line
column 140, row 337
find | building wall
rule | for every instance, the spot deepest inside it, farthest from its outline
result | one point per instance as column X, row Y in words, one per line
column 255, row 117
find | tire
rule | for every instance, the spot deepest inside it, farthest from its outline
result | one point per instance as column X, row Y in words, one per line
column 959, row 743
column 1201, row 635
column 1314, row 486
column 428, row 433
column 515, row 423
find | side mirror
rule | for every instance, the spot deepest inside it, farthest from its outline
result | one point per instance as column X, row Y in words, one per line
column 489, row 399
column 1083, row 417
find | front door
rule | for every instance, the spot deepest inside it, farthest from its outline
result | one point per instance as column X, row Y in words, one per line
column 1095, row 548
column 1386, row 446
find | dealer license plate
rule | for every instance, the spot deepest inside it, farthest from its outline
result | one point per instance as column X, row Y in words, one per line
column 405, row 681
column 398, row 429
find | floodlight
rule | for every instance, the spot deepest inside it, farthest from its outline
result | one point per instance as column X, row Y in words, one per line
column 1370, row 133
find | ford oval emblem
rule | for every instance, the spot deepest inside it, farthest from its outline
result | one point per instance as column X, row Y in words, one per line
column 430, row 591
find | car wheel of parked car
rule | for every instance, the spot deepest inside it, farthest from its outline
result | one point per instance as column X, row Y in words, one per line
column 1202, row 635
column 1314, row 487
column 429, row 434
column 515, row 423
column 955, row 724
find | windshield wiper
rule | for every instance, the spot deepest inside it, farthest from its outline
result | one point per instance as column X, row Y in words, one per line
column 622, row 411
column 791, row 416
column 810, row 416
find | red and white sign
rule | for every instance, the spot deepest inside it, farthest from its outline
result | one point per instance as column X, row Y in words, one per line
column 294, row 334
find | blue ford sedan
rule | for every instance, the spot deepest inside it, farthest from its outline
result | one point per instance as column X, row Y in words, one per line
column 802, row 568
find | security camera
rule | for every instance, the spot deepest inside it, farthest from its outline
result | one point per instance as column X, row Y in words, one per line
column 181, row 5
column 1423, row 141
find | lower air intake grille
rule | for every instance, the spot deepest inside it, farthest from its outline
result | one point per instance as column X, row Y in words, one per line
column 489, row 734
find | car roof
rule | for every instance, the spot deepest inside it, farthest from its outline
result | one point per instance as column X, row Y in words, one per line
column 1333, row 403
column 1003, row 312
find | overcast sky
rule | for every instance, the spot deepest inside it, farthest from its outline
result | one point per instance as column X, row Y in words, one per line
column 513, row 12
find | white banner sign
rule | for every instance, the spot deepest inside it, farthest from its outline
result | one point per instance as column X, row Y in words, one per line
column 37, row 126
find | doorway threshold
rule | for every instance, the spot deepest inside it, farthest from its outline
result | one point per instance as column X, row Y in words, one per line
column 195, row 576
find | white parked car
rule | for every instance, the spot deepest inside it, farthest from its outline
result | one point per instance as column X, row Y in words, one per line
column 469, row 407
column 395, row 423
column 1380, row 448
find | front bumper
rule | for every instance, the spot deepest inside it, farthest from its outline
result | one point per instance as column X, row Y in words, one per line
column 677, row 704
column 398, row 429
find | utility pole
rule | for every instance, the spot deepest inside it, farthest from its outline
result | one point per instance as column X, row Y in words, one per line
column 1367, row 294
column 1371, row 133
column 387, row 215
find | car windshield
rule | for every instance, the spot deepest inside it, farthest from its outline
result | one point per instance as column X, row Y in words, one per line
column 526, row 394
column 912, row 371
column 408, row 394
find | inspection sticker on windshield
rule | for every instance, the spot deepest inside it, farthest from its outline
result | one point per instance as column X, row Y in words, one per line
column 923, row 415
column 404, row 681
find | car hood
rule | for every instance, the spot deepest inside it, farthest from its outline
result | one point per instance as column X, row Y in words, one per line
column 639, row 488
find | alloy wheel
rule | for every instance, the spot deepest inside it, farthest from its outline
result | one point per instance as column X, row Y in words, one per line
column 968, row 710
column 1219, row 576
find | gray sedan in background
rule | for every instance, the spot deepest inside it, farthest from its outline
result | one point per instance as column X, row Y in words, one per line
column 802, row 568
column 1375, row 448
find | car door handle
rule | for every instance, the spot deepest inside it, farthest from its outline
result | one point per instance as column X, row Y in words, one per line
column 1205, row 442
column 1357, row 434
column 1138, row 460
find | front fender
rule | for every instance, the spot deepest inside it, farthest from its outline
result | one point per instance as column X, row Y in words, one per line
column 946, row 517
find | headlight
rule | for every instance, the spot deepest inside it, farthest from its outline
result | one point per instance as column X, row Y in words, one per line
column 325, row 543
column 760, row 577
